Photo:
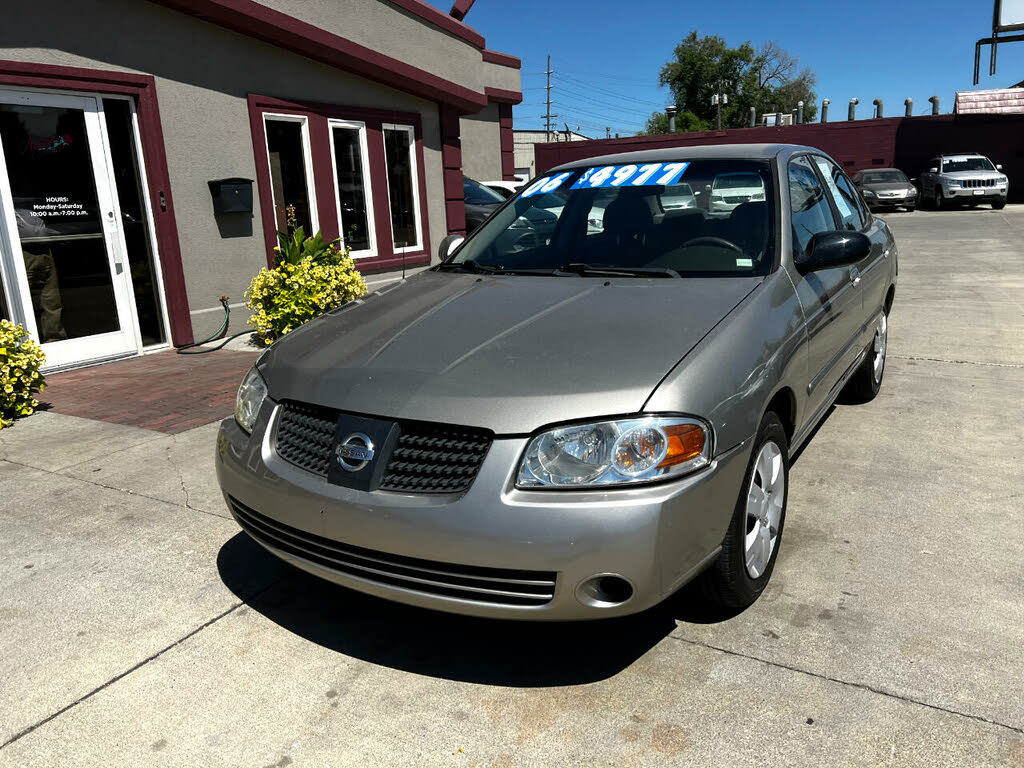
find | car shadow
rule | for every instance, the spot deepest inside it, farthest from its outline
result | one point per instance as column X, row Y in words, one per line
column 443, row 645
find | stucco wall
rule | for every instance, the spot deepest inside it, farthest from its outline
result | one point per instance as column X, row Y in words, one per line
column 203, row 75
column 394, row 32
column 481, row 144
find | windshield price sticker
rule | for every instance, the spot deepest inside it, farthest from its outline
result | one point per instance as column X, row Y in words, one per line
column 649, row 174
column 547, row 184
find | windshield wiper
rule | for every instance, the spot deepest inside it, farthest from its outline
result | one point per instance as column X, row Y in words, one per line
column 472, row 266
column 597, row 270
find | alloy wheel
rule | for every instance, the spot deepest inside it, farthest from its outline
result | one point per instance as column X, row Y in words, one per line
column 765, row 497
column 881, row 340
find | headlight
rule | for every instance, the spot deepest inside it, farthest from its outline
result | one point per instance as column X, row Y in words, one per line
column 251, row 394
column 620, row 452
column 954, row 183
column 867, row 193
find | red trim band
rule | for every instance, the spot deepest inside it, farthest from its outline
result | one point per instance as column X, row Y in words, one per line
column 263, row 23
column 143, row 88
column 504, row 59
column 460, row 9
column 502, row 96
column 440, row 19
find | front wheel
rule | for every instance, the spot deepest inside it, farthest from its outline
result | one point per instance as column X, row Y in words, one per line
column 751, row 545
column 939, row 201
column 910, row 208
column 998, row 205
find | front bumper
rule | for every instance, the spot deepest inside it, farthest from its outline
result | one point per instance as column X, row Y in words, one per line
column 964, row 194
column 656, row 537
column 907, row 201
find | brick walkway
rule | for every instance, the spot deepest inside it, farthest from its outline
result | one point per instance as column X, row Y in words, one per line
column 166, row 391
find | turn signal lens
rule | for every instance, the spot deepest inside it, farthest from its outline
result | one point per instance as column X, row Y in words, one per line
column 685, row 442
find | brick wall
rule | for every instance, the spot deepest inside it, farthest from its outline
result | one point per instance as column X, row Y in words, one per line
column 901, row 142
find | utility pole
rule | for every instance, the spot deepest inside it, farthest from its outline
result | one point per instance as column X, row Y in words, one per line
column 718, row 99
column 548, row 115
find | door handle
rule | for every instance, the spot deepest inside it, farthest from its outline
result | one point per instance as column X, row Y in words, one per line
column 855, row 276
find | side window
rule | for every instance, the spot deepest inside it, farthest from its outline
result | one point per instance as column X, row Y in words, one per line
column 810, row 208
column 847, row 201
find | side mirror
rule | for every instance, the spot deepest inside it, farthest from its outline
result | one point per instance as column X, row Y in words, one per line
column 833, row 249
column 933, row 170
column 999, row 166
column 914, row 180
column 449, row 245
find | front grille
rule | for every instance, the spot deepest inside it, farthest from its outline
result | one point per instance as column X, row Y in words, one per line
column 427, row 458
column 304, row 436
column 480, row 584
column 737, row 199
column 969, row 183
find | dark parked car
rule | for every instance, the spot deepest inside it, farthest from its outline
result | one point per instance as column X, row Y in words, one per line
column 886, row 188
column 577, row 427
column 481, row 202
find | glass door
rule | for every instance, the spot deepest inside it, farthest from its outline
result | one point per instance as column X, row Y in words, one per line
column 61, row 248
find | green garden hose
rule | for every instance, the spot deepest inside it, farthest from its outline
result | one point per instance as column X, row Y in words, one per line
column 193, row 348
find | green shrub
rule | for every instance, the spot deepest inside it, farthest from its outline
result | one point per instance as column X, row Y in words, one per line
column 311, row 277
column 20, row 379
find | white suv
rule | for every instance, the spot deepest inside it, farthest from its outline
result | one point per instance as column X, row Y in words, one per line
column 966, row 178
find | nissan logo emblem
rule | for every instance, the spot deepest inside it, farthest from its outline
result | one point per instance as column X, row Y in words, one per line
column 355, row 452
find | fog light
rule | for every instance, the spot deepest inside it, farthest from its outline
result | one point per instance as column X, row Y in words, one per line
column 605, row 590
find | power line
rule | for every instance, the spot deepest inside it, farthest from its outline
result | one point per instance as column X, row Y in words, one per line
column 606, row 91
column 573, row 94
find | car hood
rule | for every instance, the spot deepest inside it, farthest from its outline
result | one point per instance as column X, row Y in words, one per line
column 971, row 174
column 509, row 353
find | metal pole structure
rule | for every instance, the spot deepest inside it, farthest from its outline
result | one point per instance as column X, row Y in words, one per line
column 671, row 110
column 548, row 115
column 800, row 111
column 878, row 108
column 753, row 117
column 909, row 103
column 824, row 110
column 935, row 104
column 607, row 132
column 718, row 107
column 852, row 114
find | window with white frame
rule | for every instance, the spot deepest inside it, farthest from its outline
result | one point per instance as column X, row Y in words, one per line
column 403, row 186
column 352, row 187
column 291, row 173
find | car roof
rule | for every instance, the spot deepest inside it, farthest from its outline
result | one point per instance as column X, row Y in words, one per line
column 872, row 170
column 707, row 152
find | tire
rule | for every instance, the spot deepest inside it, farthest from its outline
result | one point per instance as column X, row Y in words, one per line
column 998, row 205
column 910, row 208
column 938, row 201
column 866, row 381
column 728, row 581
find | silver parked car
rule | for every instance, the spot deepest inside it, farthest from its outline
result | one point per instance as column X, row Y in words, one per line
column 575, row 429
column 966, row 178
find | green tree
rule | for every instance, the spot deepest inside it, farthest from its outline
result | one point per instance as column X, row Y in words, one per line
column 767, row 78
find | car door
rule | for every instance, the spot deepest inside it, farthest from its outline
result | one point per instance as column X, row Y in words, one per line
column 830, row 300
column 870, row 274
column 928, row 178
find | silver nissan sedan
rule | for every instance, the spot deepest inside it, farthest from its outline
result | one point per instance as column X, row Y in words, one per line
column 563, row 423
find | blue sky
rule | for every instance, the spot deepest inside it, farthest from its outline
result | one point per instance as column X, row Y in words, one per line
column 607, row 53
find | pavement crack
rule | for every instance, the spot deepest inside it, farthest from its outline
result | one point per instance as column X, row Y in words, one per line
column 181, row 477
column 121, row 675
column 127, row 491
column 957, row 362
column 847, row 683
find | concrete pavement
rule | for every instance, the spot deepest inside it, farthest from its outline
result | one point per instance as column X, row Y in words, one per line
column 139, row 627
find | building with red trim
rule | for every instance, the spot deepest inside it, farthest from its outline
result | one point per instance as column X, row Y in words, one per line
column 153, row 148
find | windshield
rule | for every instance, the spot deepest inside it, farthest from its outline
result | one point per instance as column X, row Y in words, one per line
column 884, row 177
column 627, row 219
column 476, row 193
column 954, row 164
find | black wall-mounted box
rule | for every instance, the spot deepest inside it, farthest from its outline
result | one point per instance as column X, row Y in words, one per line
column 231, row 195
